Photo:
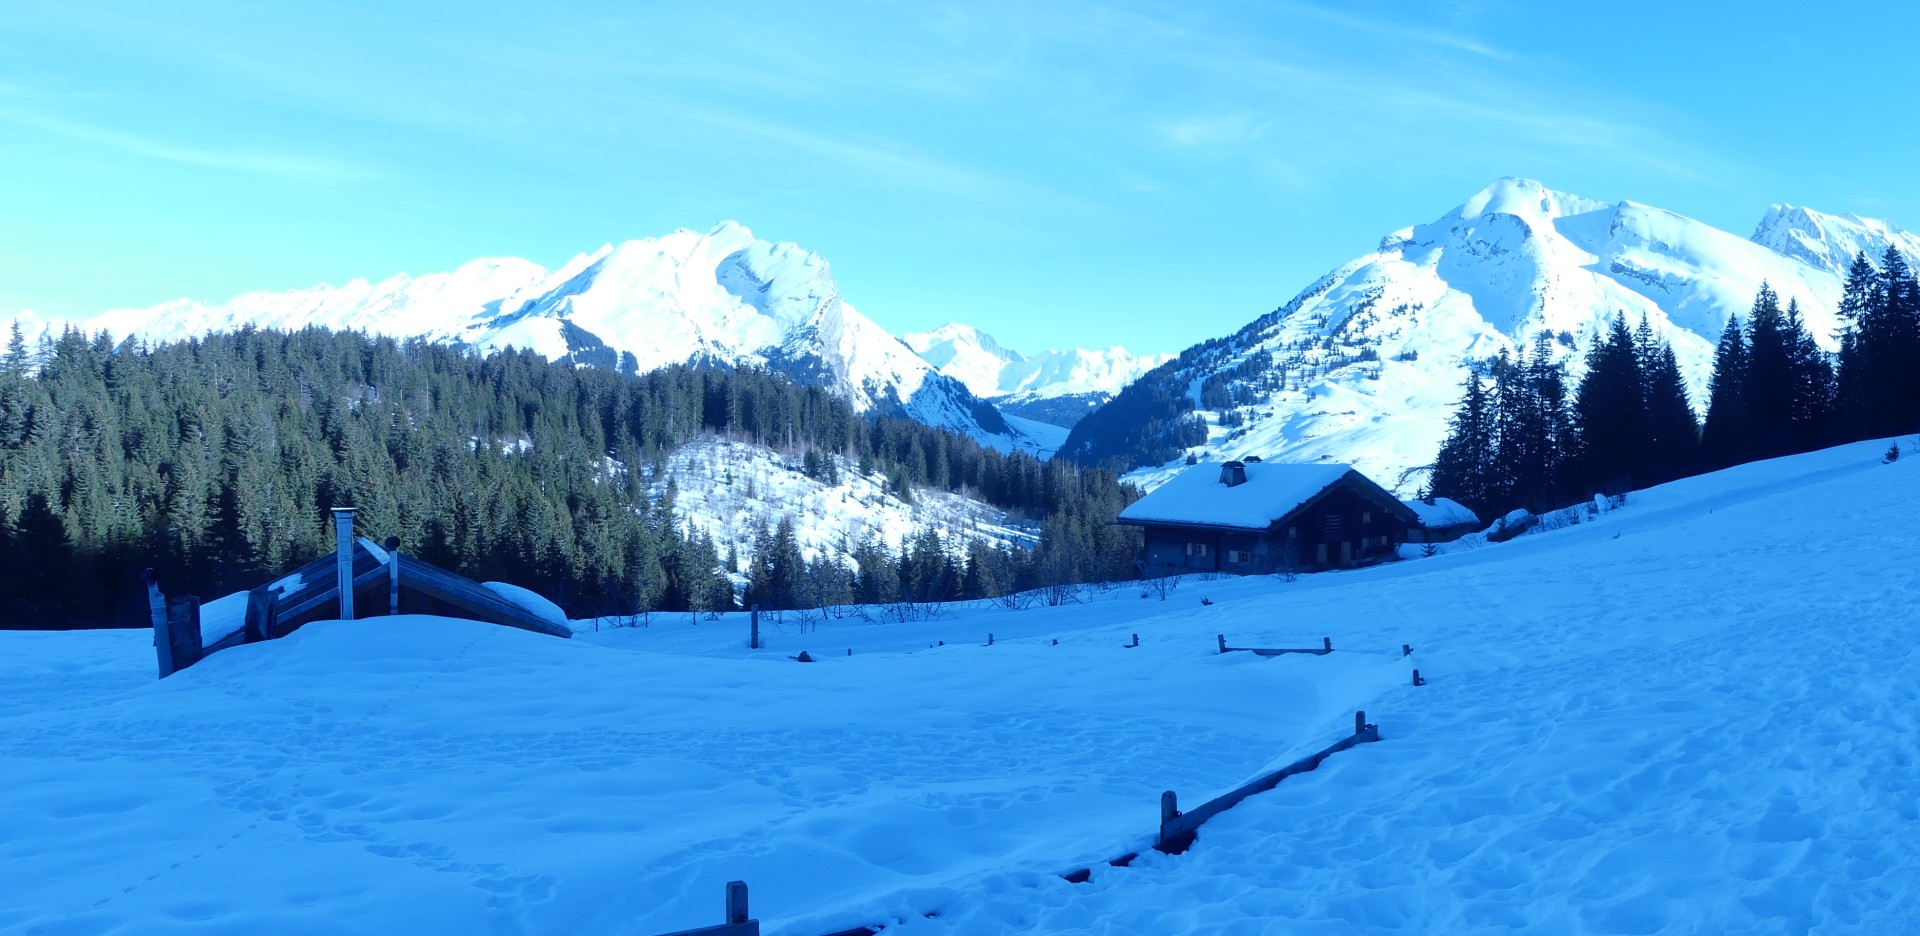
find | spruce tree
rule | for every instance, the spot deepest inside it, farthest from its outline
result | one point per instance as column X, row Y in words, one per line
column 1723, row 440
column 1608, row 410
column 1463, row 469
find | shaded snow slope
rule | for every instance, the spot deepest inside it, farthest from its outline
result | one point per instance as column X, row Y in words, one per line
column 1695, row 713
column 1365, row 365
column 729, row 489
column 724, row 296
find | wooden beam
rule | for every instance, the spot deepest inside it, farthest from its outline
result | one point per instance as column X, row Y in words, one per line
column 472, row 596
column 157, row 614
column 1326, row 647
column 1178, row 833
column 738, row 921
column 183, row 632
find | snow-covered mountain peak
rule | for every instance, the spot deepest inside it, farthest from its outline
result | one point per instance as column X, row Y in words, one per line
column 1363, row 365
column 722, row 296
column 992, row 370
column 1526, row 200
column 1830, row 242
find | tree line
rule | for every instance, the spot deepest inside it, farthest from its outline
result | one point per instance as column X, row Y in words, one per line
column 215, row 461
column 1518, row 439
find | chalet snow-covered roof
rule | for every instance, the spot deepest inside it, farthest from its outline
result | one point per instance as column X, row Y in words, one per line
column 1443, row 512
column 1272, row 490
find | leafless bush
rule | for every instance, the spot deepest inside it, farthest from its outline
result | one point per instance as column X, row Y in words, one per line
column 906, row 611
column 1017, row 601
column 1159, row 586
column 1060, row 594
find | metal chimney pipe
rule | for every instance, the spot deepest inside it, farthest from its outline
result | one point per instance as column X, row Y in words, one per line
column 343, row 538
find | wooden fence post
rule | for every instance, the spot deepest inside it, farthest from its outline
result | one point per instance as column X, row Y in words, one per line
column 393, row 575
column 343, row 548
column 1223, row 643
column 1406, row 650
column 183, row 632
column 1360, row 723
column 753, row 628
column 157, row 612
column 1327, row 643
column 1417, row 680
column 737, row 902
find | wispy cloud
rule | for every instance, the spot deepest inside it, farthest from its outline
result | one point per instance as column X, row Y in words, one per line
column 256, row 162
column 1216, row 130
column 1414, row 34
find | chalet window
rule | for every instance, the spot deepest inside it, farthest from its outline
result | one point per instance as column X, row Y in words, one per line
column 1293, row 532
column 1334, row 526
column 1197, row 549
column 1239, row 556
column 1366, row 516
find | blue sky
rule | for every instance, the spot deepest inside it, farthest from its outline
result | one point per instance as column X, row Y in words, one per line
column 1060, row 174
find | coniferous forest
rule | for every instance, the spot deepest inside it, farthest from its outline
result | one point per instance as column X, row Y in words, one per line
column 1519, row 439
column 216, row 461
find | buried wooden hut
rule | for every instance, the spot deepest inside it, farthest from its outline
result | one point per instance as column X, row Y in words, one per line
column 360, row 579
column 1442, row 520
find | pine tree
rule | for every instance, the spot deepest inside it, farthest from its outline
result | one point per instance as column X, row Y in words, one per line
column 1768, row 389
column 1463, row 470
column 1609, row 412
column 1672, row 447
column 1723, row 440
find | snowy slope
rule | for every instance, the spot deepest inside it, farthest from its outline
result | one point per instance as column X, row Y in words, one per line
column 723, row 296
column 1695, row 713
column 1830, row 242
column 729, row 489
column 1365, row 364
column 1016, row 381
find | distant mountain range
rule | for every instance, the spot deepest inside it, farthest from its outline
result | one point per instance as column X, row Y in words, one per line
column 1057, row 387
column 724, row 297
column 1365, row 364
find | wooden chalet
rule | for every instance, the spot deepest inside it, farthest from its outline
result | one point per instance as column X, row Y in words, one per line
column 1254, row 517
column 360, row 579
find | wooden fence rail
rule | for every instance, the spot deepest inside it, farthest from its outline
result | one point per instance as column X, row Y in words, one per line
column 739, row 921
column 1179, row 830
column 1326, row 647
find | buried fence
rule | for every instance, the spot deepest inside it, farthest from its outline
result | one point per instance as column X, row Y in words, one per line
column 1177, row 832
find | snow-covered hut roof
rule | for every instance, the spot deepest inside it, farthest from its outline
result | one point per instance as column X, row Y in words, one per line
column 1272, row 490
column 1443, row 512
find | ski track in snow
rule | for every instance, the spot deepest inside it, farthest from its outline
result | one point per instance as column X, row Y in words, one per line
column 1694, row 714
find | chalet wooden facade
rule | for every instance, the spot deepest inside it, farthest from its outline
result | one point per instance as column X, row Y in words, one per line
column 360, row 579
column 1253, row 517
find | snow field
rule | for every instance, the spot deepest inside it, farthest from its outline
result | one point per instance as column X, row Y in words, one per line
column 1706, row 724
column 1696, row 713
column 425, row 775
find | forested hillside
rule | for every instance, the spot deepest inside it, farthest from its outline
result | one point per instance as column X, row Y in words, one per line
column 216, row 460
column 1528, row 441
